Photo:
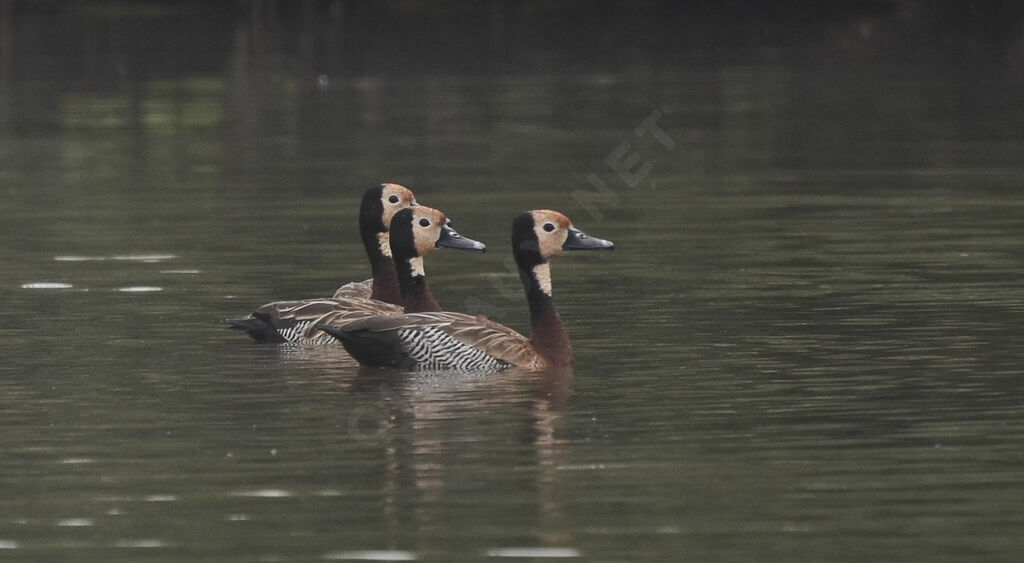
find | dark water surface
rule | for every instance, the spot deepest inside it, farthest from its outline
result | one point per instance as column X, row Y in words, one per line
column 806, row 346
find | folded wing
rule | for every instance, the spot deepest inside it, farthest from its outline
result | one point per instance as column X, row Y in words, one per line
column 434, row 341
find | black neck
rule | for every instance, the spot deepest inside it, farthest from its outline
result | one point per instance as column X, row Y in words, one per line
column 547, row 331
column 385, row 283
column 540, row 302
column 415, row 293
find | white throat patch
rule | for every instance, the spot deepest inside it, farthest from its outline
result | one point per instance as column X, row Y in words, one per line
column 416, row 263
column 542, row 273
column 385, row 246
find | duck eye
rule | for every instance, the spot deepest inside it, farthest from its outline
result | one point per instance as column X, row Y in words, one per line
column 549, row 227
column 394, row 198
column 424, row 222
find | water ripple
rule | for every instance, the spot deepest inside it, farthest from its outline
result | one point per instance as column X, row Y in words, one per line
column 144, row 257
column 46, row 285
column 161, row 498
column 141, row 543
column 264, row 493
column 75, row 522
column 371, row 555
column 533, row 552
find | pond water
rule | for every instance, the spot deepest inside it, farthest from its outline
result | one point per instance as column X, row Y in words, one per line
column 807, row 344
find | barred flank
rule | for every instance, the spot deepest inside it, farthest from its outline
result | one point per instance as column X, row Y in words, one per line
column 434, row 349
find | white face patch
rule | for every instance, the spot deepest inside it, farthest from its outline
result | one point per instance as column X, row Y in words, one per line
column 550, row 241
column 402, row 196
column 416, row 263
column 542, row 273
column 425, row 238
column 385, row 246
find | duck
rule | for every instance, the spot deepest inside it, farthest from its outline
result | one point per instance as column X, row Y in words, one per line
column 379, row 205
column 450, row 341
column 415, row 231
column 285, row 321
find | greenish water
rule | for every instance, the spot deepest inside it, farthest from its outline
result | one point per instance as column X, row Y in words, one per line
column 806, row 346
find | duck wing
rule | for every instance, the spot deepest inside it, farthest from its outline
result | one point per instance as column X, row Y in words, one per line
column 435, row 341
column 355, row 290
column 300, row 321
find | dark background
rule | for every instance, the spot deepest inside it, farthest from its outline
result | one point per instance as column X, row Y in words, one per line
column 336, row 36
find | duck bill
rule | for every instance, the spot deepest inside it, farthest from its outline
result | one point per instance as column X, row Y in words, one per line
column 578, row 240
column 451, row 239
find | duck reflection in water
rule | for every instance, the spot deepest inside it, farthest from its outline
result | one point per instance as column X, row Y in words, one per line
column 430, row 429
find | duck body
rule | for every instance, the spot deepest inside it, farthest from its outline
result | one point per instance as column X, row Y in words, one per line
column 439, row 341
column 460, row 342
column 418, row 231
